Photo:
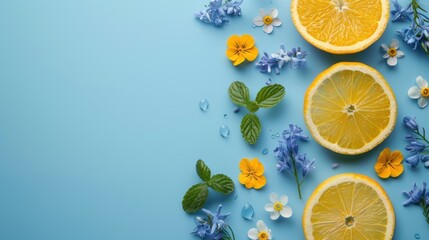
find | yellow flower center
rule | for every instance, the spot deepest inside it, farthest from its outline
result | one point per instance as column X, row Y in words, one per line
column 425, row 92
column 263, row 235
column 392, row 52
column 268, row 20
column 278, row 206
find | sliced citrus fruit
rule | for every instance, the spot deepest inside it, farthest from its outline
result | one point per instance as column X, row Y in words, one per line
column 349, row 206
column 349, row 108
column 340, row 26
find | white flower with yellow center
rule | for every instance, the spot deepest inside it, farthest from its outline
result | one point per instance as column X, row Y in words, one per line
column 420, row 92
column 278, row 207
column 392, row 52
column 261, row 232
column 267, row 19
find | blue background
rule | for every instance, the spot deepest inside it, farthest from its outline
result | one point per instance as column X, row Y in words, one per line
column 100, row 127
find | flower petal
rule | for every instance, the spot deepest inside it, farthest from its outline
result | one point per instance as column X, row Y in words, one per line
column 258, row 21
column 385, row 47
column 269, row 207
column 257, row 166
column 244, row 165
column 274, row 12
column 247, row 41
column 262, row 12
column 274, row 215
column 276, row 22
column 396, row 157
column 283, row 199
column 400, row 53
column 251, row 54
column 260, row 182
column 274, row 197
column 394, row 44
column 422, row 102
column 421, row 82
column 240, row 59
column 392, row 61
column 414, row 92
column 268, row 28
column 384, row 173
column 286, row 212
column 397, row 170
column 260, row 225
column 384, row 156
column 251, row 183
column 231, row 54
column 253, row 233
column 386, row 55
column 233, row 41
column 379, row 167
column 243, row 178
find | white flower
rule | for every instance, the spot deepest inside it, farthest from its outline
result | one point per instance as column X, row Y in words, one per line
column 420, row 92
column 268, row 20
column 261, row 232
column 392, row 53
column 278, row 207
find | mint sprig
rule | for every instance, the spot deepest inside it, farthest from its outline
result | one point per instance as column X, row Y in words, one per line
column 196, row 196
column 267, row 97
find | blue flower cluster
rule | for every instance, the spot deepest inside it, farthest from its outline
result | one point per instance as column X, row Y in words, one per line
column 418, row 31
column 289, row 158
column 417, row 195
column 217, row 12
column 276, row 61
column 417, row 143
column 212, row 227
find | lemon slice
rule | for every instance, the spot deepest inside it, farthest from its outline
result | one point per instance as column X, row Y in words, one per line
column 349, row 108
column 340, row 26
column 349, row 206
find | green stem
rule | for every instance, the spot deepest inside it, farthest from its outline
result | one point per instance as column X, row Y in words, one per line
column 422, row 136
column 425, row 209
column 232, row 232
column 295, row 173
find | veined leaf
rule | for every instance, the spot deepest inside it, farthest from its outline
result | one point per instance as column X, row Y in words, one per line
column 203, row 170
column 195, row 198
column 239, row 93
column 271, row 95
column 221, row 183
column 250, row 128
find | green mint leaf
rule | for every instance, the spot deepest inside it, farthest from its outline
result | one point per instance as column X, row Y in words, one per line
column 252, row 106
column 239, row 93
column 203, row 171
column 195, row 198
column 271, row 95
column 250, row 128
column 221, row 183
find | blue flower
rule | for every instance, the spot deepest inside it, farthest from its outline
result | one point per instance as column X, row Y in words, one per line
column 413, row 160
column 416, row 195
column 415, row 147
column 411, row 123
column 305, row 164
column 214, row 14
column 213, row 226
column 296, row 131
column 233, row 8
column 281, row 56
column 401, row 14
column 267, row 63
column 297, row 58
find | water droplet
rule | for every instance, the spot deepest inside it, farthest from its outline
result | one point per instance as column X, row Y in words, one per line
column 204, row 105
column 268, row 82
column 265, row 151
column 417, row 236
column 247, row 211
column 225, row 115
column 253, row 25
column 235, row 196
column 224, row 131
column 237, row 109
column 278, row 135
column 427, row 164
column 335, row 165
column 273, row 136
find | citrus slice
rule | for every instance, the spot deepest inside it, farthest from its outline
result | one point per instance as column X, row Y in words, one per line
column 340, row 26
column 349, row 108
column 349, row 206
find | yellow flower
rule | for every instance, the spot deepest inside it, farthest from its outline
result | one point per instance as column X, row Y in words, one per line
column 241, row 48
column 252, row 173
column 389, row 163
